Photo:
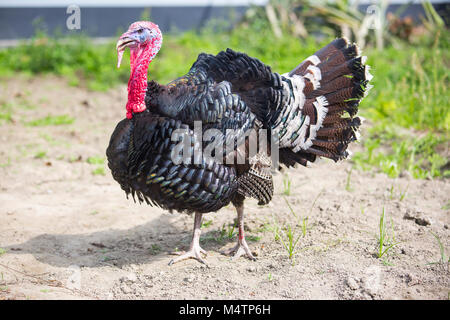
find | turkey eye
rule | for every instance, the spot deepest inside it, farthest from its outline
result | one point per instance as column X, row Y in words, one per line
column 140, row 31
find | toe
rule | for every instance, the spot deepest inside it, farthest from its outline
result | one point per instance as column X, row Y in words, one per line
column 192, row 254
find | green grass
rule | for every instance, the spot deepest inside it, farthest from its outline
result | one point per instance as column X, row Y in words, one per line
column 227, row 232
column 446, row 206
column 290, row 234
column 394, row 153
column 289, row 240
column 6, row 164
column 95, row 160
column 410, row 92
column 401, row 194
column 40, row 154
column 155, row 249
column 53, row 141
column 207, row 223
column 5, row 117
column 385, row 242
column 347, row 181
column 51, row 121
column 443, row 260
column 287, row 185
column 5, row 112
column 410, row 87
column 99, row 171
column 408, row 108
column 98, row 162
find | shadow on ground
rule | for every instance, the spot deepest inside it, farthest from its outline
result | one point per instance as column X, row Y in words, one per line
column 147, row 243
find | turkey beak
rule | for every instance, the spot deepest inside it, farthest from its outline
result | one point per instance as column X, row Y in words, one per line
column 124, row 41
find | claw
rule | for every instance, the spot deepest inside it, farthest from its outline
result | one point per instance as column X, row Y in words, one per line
column 195, row 250
column 240, row 249
column 194, row 253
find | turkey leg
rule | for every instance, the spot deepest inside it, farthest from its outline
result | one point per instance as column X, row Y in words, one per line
column 241, row 247
column 194, row 250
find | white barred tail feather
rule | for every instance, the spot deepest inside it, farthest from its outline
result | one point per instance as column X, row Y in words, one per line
column 319, row 118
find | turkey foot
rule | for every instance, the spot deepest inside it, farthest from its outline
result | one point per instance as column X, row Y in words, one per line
column 240, row 249
column 193, row 253
column 195, row 250
column 241, row 246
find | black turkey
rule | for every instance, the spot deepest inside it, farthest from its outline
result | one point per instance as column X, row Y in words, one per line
column 310, row 112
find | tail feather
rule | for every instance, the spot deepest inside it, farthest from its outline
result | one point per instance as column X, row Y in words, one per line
column 323, row 88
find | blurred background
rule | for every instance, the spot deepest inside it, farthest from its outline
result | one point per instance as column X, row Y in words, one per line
column 406, row 42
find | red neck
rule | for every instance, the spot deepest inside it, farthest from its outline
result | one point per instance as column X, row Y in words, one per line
column 140, row 58
column 137, row 85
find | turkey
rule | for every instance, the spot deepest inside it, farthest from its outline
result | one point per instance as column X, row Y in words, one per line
column 298, row 117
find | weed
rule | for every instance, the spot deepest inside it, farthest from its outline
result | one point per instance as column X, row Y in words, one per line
column 226, row 232
column 40, row 154
column 400, row 153
column 95, row 160
column 2, row 251
column 51, row 121
column 442, row 259
column 99, row 171
column 154, row 249
column 206, row 223
column 304, row 226
column 289, row 241
column 391, row 192
column 6, row 112
column 5, row 117
column 73, row 159
column 252, row 238
column 231, row 231
column 289, row 236
column 385, row 243
column 52, row 141
column 403, row 193
column 6, row 164
column 363, row 210
column 287, row 185
column 347, row 183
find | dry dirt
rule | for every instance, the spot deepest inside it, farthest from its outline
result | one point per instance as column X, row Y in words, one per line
column 67, row 233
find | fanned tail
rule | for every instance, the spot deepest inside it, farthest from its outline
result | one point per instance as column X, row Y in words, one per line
column 319, row 117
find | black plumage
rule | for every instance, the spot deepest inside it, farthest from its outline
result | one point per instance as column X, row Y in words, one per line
column 234, row 91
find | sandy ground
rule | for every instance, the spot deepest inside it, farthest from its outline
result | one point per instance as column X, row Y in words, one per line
column 67, row 233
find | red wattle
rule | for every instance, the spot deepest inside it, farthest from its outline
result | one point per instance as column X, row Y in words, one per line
column 140, row 59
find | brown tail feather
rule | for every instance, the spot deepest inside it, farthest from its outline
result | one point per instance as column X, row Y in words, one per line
column 333, row 82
